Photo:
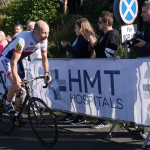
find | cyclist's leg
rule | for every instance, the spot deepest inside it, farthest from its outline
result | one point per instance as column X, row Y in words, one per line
column 18, row 103
column 10, row 95
column 19, row 97
column 5, row 66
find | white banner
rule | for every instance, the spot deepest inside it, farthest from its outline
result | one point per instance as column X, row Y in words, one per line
column 98, row 87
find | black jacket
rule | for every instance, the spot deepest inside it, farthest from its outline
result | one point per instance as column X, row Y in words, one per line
column 109, row 45
column 145, row 51
column 80, row 48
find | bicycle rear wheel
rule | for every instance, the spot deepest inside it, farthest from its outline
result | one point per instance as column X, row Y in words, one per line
column 6, row 122
column 42, row 122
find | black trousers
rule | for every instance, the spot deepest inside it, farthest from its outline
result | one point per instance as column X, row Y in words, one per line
column 75, row 6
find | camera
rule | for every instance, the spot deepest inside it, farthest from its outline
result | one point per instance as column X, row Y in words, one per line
column 134, row 40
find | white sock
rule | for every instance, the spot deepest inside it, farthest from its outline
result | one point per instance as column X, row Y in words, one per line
column 17, row 112
column 7, row 102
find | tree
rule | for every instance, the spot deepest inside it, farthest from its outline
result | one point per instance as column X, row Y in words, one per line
column 23, row 11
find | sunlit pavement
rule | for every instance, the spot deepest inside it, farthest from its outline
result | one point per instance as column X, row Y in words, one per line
column 73, row 137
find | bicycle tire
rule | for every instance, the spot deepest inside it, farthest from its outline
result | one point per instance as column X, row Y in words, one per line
column 42, row 122
column 6, row 122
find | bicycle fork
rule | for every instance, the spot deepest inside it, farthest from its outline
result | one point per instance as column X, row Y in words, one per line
column 40, row 117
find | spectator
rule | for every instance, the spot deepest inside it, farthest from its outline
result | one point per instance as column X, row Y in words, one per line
column 75, row 6
column 17, row 28
column 105, row 47
column 144, row 45
column 79, row 49
column 72, row 6
column 79, row 6
column 140, row 19
column 65, row 6
column 8, row 38
column 3, row 41
column 30, row 26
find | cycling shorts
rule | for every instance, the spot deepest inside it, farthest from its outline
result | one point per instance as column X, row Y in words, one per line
column 5, row 66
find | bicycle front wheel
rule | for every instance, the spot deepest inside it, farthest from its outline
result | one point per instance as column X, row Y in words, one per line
column 42, row 122
column 6, row 122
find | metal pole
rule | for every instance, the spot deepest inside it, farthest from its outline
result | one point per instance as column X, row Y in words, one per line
column 146, row 140
column 127, row 51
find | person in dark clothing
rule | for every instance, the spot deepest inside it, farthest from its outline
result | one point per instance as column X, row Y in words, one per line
column 75, row 7
column 144, row 44
column 79, row 7
column 72, row 6
column 79, row 49
column 105, row 47
column 140, row 19
column 108, row 44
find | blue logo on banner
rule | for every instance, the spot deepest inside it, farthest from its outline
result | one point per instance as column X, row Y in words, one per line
column 59, row 85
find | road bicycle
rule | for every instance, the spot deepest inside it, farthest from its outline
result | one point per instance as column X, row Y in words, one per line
column 40, row 116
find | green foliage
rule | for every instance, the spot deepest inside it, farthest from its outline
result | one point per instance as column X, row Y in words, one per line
column 23, row 11
column 61, row 29
column 2, row 18
column 134, row 52
column 61, row 25
column 121, row 52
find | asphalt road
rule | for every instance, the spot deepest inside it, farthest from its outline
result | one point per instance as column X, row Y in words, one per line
column 73, row 137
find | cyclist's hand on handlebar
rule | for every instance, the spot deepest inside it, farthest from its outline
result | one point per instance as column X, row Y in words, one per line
column 48, row 78
column 18, row 87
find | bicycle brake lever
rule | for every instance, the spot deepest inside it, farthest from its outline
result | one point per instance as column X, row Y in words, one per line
column 45, row 85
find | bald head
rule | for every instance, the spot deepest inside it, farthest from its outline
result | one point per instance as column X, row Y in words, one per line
column 41, row 31
column 40, row 25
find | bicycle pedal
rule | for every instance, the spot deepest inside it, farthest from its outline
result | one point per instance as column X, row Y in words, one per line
column 17, row 124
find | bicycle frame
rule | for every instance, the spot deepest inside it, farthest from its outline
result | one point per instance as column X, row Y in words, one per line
column 4, row 86
column 25, row 100
column 27, row 88
column 39, row 115
column 28, row 94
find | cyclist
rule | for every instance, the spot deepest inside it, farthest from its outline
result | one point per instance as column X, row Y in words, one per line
column 22, row 46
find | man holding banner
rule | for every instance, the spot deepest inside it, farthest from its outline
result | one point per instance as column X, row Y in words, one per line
column 105, row 47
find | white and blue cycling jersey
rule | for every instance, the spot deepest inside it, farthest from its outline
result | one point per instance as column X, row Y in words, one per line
column 24, row 44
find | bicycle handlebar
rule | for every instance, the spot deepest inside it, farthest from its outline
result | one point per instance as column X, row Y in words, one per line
column 46, row 84
column 39, row 77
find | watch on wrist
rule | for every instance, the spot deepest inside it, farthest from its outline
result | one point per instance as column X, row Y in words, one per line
column 47, row 72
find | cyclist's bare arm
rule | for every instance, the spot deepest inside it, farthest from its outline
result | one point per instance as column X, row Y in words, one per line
column 16, row 78
column 45, row 64
column 45, row 61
